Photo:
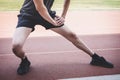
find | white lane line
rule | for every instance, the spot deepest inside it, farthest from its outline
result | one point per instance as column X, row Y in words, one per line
column 106, row 49
column 105, row 77
column 70, row 51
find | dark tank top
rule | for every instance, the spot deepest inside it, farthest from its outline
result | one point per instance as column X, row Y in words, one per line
column 28, row 7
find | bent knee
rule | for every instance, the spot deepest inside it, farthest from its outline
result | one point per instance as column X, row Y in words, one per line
column 16, row 47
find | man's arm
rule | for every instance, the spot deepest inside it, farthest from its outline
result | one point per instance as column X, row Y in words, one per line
column 40, row 7
column 65, row 8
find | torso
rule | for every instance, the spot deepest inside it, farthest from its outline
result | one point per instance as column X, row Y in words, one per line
column 28, row 7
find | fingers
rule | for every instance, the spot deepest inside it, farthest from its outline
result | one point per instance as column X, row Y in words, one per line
column 59, row 20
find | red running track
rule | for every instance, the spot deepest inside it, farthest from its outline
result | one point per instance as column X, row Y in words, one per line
column 55, row 58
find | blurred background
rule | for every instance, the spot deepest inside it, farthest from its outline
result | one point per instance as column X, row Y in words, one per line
column 14, row 5
column 90, row 17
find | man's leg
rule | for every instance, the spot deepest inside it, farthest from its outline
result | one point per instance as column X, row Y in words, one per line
column 96, row 60
column 65, row 32
column 19, row 38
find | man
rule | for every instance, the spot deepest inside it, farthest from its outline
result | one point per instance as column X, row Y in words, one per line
column 39, row 12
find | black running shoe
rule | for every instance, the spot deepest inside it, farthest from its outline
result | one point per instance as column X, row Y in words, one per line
column 100, row 61
column 24, row 66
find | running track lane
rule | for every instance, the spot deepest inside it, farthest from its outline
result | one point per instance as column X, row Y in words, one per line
column 55, row 58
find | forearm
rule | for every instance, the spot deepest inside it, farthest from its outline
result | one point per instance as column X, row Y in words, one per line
column 43, row 11
column 65, row 8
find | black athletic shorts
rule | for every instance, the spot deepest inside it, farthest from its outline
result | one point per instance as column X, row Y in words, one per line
column 30, row 21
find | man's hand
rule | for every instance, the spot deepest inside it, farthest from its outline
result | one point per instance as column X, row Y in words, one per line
column 59, row 21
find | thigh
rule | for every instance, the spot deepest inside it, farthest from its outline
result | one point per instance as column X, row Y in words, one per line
column 21, row 35
column 64, row 31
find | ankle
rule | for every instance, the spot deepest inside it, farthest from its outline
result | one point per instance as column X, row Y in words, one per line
column 95, row 55
column 23, row 58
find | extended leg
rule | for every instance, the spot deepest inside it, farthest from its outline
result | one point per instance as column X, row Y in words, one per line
column 73, row 38
column 96, row 60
